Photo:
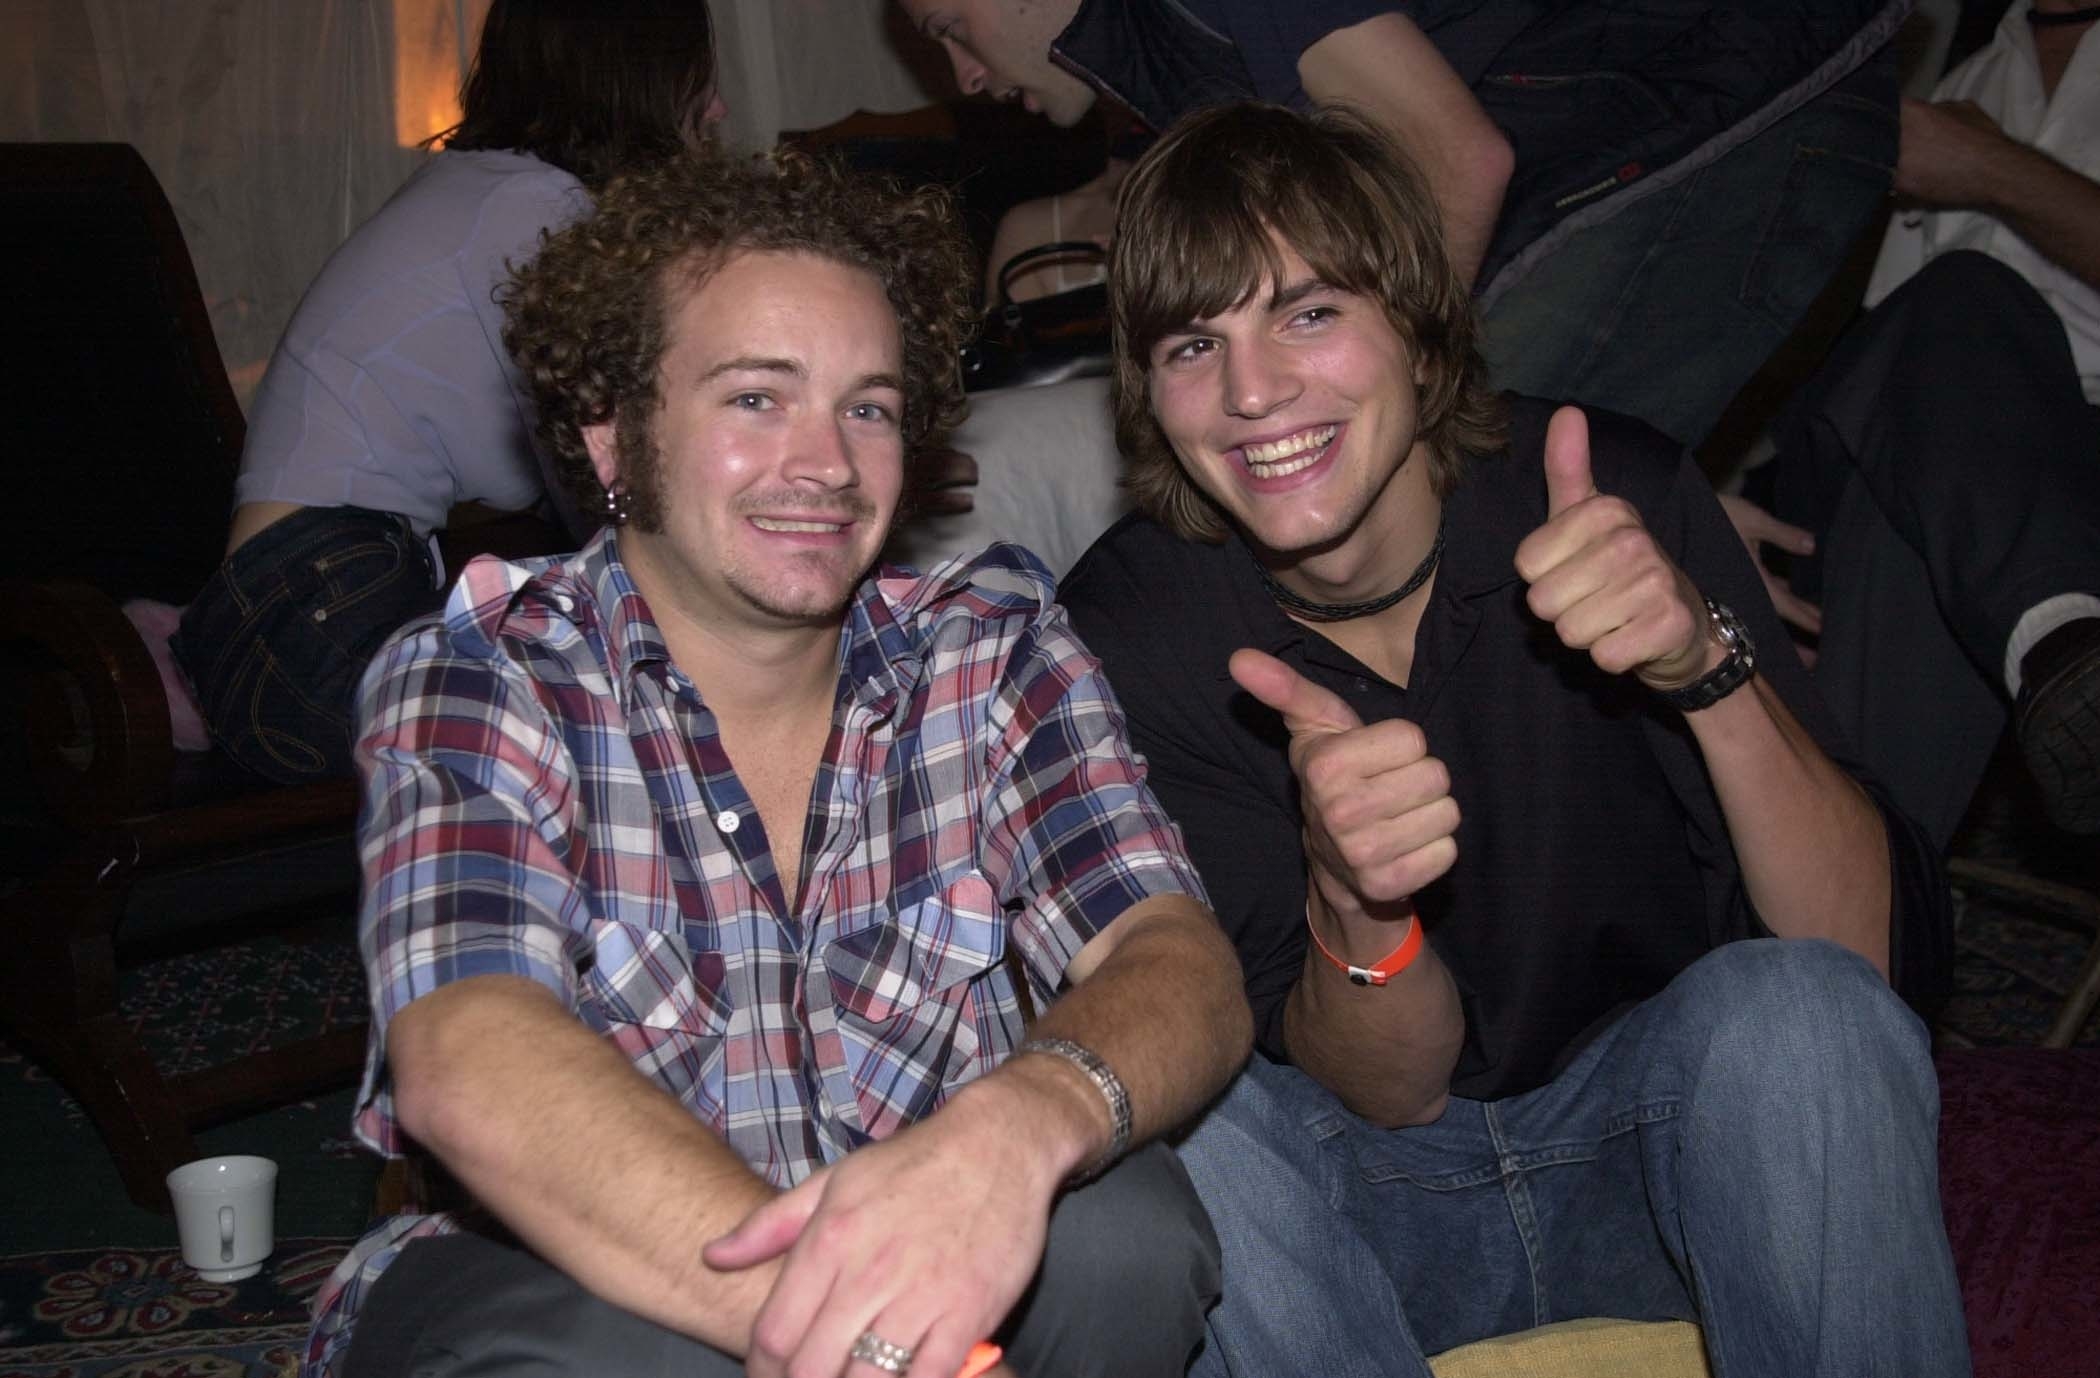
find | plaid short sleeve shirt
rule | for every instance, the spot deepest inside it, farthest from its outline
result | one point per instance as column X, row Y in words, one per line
column 546, row 796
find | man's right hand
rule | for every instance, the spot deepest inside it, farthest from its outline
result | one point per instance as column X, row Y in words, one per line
column 1380, row 822
column 925, row 1238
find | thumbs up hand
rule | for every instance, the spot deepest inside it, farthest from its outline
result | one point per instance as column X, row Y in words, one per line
column 1599, row 577
column 1379, row 817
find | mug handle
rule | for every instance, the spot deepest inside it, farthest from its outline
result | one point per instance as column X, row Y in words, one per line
column 225, row 1234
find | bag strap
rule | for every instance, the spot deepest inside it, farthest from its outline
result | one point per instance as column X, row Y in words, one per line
column 1056, row 249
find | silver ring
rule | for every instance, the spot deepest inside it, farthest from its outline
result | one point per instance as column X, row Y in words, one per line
column 872, row 1349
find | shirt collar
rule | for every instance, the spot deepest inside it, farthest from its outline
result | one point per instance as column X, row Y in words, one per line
column 593, row 593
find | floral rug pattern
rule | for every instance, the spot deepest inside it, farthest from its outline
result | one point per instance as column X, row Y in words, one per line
column 142, row 1313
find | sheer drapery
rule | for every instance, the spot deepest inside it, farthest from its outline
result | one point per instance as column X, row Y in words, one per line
column 278, row 126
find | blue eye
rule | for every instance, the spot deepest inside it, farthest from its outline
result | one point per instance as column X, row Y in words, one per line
column 751, row 401
column 870, row 411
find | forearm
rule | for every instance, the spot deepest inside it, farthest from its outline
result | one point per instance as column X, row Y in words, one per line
column 1163, row 1006
column 598, row 1170
column 1389, row 70
column 2050, row 206
column 1813, row 849
column 1386, row 1051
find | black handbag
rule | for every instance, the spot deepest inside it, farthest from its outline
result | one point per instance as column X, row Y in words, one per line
column 1045, row 339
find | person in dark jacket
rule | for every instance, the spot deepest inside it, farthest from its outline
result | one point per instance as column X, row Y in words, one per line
column 1647, row 197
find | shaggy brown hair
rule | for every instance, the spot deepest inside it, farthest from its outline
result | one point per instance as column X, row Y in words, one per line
column 1193, row 240
column 587, row 320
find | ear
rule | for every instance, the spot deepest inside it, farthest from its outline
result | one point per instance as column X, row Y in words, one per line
column 601, row 441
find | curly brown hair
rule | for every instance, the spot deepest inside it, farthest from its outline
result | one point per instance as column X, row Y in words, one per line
column 587, row 319
column 1194, row 227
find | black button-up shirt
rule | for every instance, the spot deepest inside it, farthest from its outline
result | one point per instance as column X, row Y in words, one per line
column 1593, row 860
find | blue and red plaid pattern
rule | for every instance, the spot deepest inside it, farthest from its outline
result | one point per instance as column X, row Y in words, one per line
column 546, row 796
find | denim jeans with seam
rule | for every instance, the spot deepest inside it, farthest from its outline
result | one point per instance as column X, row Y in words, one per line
column 1666, row 309
column 1753, row 1148
column 276, row 641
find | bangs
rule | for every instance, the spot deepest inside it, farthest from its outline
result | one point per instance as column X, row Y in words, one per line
column 1212, row 242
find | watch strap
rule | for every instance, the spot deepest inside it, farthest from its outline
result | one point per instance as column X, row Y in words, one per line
column 1106, row 1082
column 1737, row 664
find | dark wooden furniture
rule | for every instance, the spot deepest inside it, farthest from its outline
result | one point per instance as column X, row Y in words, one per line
column 124, row 438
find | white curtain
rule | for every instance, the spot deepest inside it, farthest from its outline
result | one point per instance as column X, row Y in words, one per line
column 278, row 126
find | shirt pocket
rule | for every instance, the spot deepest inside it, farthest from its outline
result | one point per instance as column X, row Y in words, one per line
column 648, row 979
column 914, row 967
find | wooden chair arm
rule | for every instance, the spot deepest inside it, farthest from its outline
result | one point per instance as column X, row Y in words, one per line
column 95, row 716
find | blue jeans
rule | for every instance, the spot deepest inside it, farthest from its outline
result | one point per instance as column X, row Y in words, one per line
column 1667, row 308
column 1754, row 1148
column 277, row 639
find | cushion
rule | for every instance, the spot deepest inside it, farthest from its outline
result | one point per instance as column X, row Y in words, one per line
column 1588, row 1348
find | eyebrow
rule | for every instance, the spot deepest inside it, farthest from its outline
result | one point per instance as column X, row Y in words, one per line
column 1281, row 299
column 756, row 363
column 1298, row 291
column 794, row 368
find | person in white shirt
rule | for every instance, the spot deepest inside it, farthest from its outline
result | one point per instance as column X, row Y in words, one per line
column 1945, row 457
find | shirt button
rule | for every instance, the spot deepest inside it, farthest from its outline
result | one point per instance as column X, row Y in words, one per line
column 727, row 821
column 1363, row 686
column 565, row 603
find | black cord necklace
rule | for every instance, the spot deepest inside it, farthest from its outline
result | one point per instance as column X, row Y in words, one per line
column 2050, row 20
column 1342, row 612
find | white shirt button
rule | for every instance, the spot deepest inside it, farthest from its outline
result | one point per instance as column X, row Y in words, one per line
column 727, row 821
column 565, row 603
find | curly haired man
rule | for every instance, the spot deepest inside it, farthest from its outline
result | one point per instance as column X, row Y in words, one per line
column 711, row 873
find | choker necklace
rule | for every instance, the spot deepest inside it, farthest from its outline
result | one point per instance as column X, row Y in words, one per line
column 2051, row 20
column 1306, row 608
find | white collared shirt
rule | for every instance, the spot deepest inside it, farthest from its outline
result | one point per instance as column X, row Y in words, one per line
column 2005, row 80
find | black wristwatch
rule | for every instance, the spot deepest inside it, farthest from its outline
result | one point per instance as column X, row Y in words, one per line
column 1735, row 668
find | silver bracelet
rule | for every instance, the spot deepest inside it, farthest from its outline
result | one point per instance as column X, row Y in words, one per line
column 1106, row 1082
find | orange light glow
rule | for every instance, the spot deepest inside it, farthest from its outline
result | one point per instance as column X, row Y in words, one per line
column 433, row 45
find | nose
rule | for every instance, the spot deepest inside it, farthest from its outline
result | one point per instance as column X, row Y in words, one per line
column 970, row 74
column 1258, row 380
column 717, row 109
column 820, row 456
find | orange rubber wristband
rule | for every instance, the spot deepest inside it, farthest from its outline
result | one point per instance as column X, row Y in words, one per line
column 982, row 1356
column 1387, row 967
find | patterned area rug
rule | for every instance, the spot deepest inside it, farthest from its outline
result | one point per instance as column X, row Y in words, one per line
column 141, row 1313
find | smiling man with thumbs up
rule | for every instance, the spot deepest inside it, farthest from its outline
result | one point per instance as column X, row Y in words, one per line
column 1568, row 928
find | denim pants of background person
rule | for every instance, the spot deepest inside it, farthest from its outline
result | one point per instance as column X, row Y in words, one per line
column 276, row 641
column 1753, row 1148
column 1129, row 1266
column 1666, row 309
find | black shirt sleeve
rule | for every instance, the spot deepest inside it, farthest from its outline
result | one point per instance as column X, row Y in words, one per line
column 1691, row 525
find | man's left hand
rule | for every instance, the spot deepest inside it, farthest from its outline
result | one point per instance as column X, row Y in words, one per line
column 926, row 1239
column 1949, row 152
column 1599, row 577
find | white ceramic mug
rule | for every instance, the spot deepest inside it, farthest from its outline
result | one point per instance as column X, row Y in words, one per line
column 223, row 1211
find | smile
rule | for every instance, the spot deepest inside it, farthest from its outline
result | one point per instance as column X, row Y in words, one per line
column 798, row 527
column 1278, row 458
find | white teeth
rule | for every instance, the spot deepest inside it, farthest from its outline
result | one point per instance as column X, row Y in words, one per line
column 820, row 528
column 1276, row 458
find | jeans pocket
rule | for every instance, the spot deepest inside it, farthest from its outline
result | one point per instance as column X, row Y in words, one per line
column 268, row 720
column 1836, row 183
